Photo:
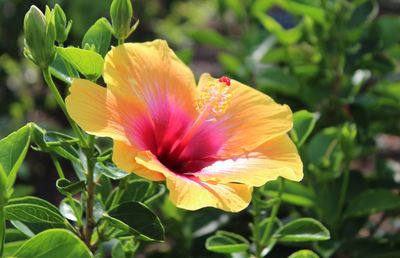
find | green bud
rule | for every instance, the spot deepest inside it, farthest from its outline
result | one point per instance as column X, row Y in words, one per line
column 60, row 22
column 121, row 17
column 40, row 35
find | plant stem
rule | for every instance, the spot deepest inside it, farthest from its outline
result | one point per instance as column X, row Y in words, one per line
column 274, row 212
column 256, row 225
column 121, row 41
column 69, row 196
column 2, row 230
column 90, row 191
column 60, row 101
column 343, row 193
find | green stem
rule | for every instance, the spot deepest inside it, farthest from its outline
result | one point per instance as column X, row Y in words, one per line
column 2, row 230
column 69, row 196
column 60, row 101
column 121, row 41
column 274, row 212
column 256, row 225
column 343, row 193
column 90, row 223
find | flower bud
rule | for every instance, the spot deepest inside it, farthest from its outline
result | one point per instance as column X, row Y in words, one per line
column 40, row 35
column 121, row 18
column 60, row 22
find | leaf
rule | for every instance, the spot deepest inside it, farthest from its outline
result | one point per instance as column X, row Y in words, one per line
column 67, row 211
column 59, row 70
column 57, row 138
column 138, row 190
column 12, row 247
column 98, row 36
column 3, row 188
column 87, row 62
column 208, row 37
column 137, row 219
column 372, row 201
column 302, row 230
column 277, row 80
column 226, row 242
column 13, row 149
column 34, row 200
column 285, row 36
column 33, row 210
column 304, row 123
column 53, row 243
column 67, row 187
column 109, row 170
column 264, row 225
column 117, row 251
column 304, row 254
column 294, row 192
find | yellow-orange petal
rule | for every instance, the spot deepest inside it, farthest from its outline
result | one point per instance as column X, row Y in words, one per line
column 251, row 119
column 124, row 157
column 99, row 112
column 152, row 72
column 275, row 158
column 191, row 193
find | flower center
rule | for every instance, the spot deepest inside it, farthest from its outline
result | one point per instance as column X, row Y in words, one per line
column 214, row 99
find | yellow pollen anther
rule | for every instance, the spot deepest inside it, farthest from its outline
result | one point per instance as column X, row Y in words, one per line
column 215, row 98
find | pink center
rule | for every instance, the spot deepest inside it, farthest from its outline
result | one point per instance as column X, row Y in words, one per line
column 163, row 132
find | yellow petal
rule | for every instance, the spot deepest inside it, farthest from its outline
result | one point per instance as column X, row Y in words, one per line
column 124, row 157
column 152, row 72
column 275, row 158
column 251, row 119
column 99, row 112
column 190, row 193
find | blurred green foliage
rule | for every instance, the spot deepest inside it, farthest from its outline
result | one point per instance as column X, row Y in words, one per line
column 337, row 59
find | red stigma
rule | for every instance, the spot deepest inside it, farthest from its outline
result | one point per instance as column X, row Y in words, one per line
column 225, row 80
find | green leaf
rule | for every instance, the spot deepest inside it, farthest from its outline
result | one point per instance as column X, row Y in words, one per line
column 294, row 192
column 57, row 138
column 208, row 37
column 138, row 190
column 109, row 170
column 55, row 142
column 304, row 254
column 231, row 63
column 302, row 230
column 54, row 243
column 135, row 218
column 277, row 80
column 277, row 224
column 304, row 123
column 33, row 210
column 87, row 62
column 286, row 37
column 67, row 187
column 13, row 149
column 226, row 242
column 67, row 211
column 98, row 37
column 34, row 200
column 12, row 247
column 372, row 201
column 117, row 250
column 3, row 188
column 59, row 70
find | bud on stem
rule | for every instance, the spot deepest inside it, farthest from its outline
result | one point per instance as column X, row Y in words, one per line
column 121, row 13
column 40, row 36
